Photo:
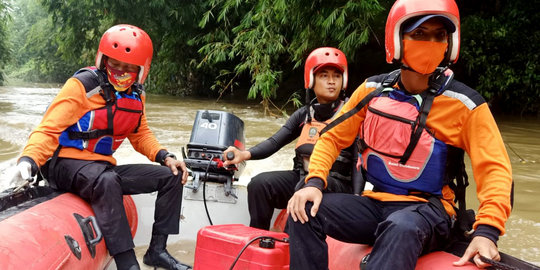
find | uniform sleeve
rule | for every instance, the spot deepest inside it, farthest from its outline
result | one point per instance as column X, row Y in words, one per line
column 66, row 109
column 339, row 137
column 491, row 168
column 144, row 141
column 285, row 135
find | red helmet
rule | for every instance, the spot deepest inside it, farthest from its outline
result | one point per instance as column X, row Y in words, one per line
column 402, row 10
column 129, row 44
column 322, row 57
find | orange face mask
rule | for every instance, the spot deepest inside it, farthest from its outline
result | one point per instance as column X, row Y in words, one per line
column 423, row 56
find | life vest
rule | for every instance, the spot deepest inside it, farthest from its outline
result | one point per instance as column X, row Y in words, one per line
column 398, row 154
column 386, row 137
column 103, row 130
column 342, row 167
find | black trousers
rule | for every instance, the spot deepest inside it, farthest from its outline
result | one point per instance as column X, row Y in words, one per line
column 399, row 231
column 270, row 190
column 102, row 185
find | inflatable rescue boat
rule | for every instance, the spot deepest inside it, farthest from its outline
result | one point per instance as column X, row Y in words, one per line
column 44, row 229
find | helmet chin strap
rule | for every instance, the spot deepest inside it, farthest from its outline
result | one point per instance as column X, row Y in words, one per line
column 440, row 79
column 308, row 100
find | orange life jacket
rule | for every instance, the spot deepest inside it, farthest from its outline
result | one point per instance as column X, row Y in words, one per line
column 306, row 142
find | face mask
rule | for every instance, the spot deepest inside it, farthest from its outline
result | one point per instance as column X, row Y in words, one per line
column 119, row 79
column 423, row 56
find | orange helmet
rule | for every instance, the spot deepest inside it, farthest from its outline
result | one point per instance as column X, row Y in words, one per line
column 322, row 57
column 402, row 10
column 129, row 44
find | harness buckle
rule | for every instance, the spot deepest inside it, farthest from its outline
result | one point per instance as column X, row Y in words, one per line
column 453, row 220
column 439, row 80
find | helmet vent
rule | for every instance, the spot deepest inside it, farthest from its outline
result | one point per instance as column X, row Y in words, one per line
column 128, row 49
column 134, row 34
column 115, row 45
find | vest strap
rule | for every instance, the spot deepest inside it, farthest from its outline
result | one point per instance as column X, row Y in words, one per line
column 87, row 135
column 419, row 126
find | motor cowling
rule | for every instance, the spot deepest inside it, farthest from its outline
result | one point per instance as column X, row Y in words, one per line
column 212, row 133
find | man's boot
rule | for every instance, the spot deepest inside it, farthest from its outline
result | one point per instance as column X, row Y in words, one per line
column 126, row 260
column 158, row 256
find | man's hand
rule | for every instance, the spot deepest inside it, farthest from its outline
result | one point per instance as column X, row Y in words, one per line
column 297, row 204
column 23, row 173
column 239, row 156
column 479, row 246
column 174, row 164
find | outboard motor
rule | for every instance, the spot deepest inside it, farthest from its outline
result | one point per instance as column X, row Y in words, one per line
column 213, row 132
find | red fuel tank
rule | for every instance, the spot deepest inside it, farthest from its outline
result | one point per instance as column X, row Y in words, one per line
column 218, row 246
column 53, row 234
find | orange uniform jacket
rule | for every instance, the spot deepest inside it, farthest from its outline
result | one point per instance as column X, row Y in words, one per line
column 67, row 108
column 459, row 117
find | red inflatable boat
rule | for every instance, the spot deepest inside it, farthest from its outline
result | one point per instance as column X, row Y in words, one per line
column 43, row 229
column 236, row 246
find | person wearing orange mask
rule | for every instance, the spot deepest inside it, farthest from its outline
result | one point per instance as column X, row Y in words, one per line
column 414, row 126
column 73, row 146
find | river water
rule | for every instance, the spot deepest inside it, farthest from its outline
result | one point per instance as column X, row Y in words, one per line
column 171, row 120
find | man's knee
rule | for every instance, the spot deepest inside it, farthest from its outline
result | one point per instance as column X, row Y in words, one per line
column 167, row 180
column 403, row 224
column 173, row 182
column 107, row 183
column 257, row 184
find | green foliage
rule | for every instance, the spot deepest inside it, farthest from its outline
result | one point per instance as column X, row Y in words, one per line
column 174, row 68
column 256, row 48
column 169, row 23
column 35, row 55
column 265, row 38
column 4, row 46
column 500, row 47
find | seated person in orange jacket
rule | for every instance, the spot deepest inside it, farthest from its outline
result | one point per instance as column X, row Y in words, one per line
column 406, row 130
column 87, row 121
